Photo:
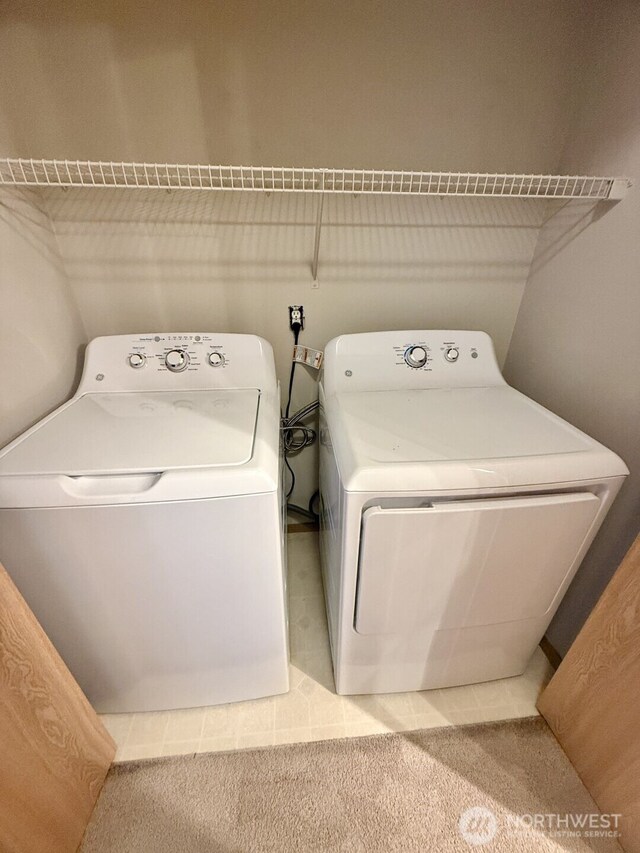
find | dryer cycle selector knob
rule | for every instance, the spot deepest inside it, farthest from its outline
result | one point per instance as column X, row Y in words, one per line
column 452, row 353
column 136, row 360
column 176, row 360
column 416, row 356
column 216, row 359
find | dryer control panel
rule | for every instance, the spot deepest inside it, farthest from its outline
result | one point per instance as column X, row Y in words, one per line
column 169, row 361
column 381, row 361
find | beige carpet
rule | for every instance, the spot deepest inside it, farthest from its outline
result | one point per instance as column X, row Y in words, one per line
column 379, row 794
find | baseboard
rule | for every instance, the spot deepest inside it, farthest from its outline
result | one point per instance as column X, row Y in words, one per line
column 310, row 527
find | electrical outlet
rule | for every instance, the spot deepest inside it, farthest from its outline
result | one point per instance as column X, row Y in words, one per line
column 296, row 316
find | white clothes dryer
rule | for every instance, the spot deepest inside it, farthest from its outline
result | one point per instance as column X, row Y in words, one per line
column 454, row 511
column 143, row 521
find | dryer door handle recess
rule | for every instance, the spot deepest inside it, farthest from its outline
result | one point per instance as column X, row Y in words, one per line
column 460, row 564
column 109, row 485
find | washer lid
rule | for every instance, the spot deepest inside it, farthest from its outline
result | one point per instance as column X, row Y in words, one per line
column 138, row 432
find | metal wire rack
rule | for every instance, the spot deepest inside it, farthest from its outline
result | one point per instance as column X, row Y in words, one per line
column 87, row 173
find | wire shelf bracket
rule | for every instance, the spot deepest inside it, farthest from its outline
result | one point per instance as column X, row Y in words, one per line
column 316, row 244
column 22, row 172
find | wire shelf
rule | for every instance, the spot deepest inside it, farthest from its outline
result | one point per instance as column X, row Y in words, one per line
column 87, row 173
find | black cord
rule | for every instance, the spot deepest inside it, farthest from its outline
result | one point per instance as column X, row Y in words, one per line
column 293, row 476
column 296, row 335
column 295, row 436
column 315, row 496
column 299, row 510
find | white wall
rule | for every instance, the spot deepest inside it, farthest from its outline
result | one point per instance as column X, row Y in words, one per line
column 41, row 334
column 576, row 344
column 461, row 84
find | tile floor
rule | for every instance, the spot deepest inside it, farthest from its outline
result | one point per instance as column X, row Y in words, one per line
column 312, row 710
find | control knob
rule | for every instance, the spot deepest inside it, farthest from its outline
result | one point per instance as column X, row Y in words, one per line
column 452, row 353
column 176, row 360
column 136, row 360
column 416, row 356
column 216, row 359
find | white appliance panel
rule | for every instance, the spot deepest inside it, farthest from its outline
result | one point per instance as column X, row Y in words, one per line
column 456, row 511
column 211, row 360
column 157, row 606
column 459, row 564
column 381, row 361
column 453, row 424
column 124, row 518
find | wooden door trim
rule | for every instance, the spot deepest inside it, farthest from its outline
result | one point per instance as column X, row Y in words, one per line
column 54, row 750
column 592, row 703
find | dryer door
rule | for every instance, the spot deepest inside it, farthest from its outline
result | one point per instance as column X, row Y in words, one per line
column 467, row 563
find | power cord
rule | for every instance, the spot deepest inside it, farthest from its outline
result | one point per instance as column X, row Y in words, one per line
column 296, row 327
column 310, row 514
column 295, row 435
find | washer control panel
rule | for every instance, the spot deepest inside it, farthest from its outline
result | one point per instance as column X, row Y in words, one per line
column 159, row 361
column 177, row 353
column 412, row 360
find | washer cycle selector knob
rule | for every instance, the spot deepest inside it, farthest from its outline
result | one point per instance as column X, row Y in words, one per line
column 136, row 359
column 176, row 360
column 452, row 353
column 416, row 356
column 216, row 359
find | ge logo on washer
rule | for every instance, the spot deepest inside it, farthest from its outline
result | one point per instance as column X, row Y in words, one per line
column 478, row 825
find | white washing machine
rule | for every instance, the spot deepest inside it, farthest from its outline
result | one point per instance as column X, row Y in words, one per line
column 455, row 511
column 143, row 523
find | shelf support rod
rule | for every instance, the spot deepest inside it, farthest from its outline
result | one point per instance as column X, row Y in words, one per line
column 316, row 246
